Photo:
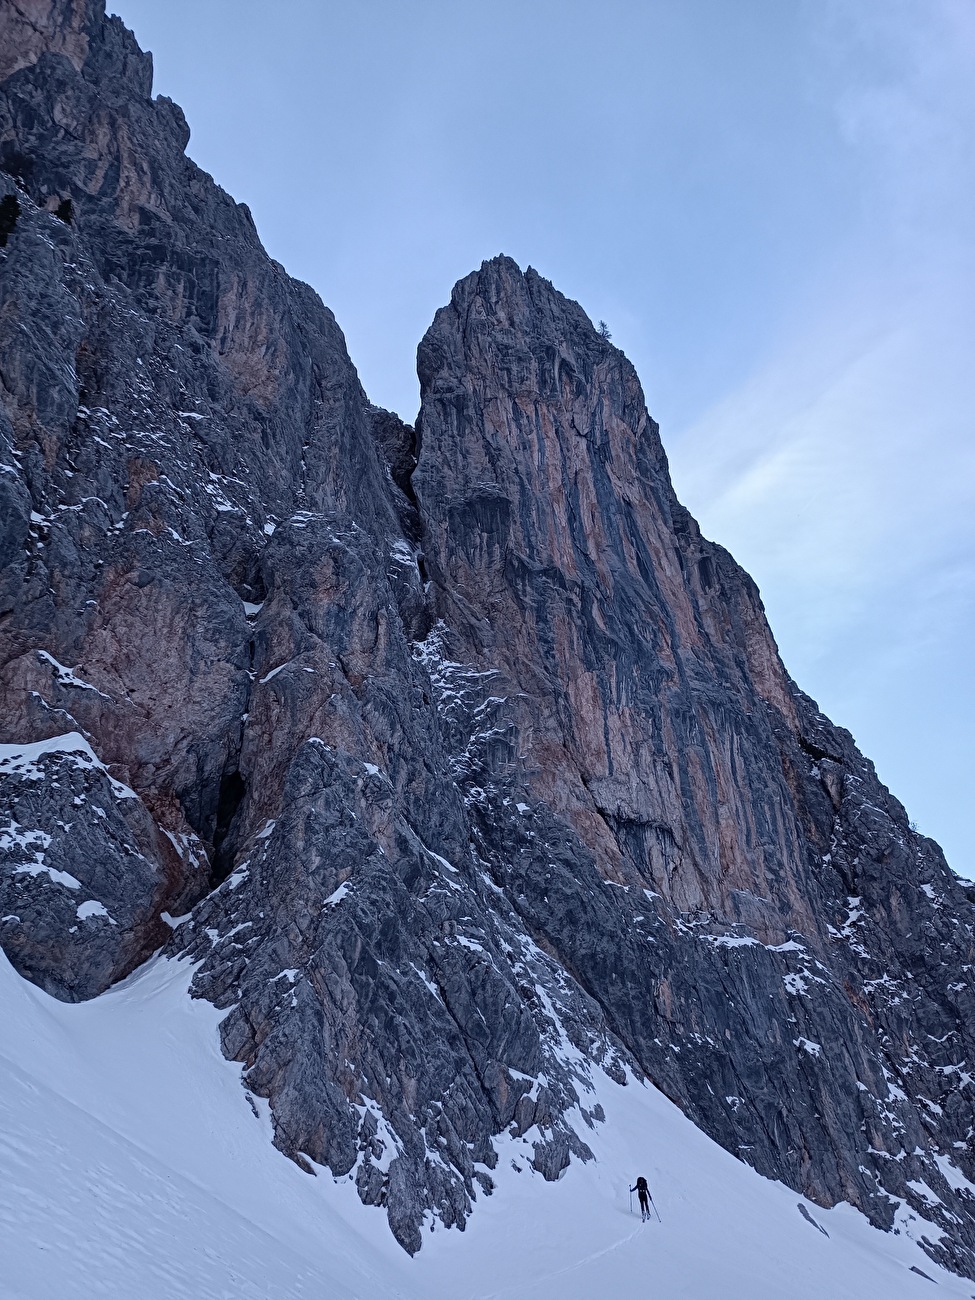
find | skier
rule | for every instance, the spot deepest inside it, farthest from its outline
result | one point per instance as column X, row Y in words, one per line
column 643, row 1193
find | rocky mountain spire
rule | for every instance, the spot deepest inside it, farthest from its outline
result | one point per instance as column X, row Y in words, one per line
column 457, row 759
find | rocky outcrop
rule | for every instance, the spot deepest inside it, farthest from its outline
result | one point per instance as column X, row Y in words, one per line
column 458, row 761
column 169, row 397
column 714, row 862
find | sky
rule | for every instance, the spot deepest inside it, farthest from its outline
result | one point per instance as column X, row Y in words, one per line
column 770, row 202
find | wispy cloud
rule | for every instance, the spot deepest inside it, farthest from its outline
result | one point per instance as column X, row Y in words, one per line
column 842, row 472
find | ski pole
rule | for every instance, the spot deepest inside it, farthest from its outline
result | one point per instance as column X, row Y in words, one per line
column 631, row 1200
column 654, row 1204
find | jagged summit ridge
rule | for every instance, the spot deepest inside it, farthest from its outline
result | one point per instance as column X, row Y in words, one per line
column 459, row 761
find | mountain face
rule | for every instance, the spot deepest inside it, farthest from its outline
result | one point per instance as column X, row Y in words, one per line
column 458, row 761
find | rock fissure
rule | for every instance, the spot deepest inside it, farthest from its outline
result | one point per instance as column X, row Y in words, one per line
column 230, row 796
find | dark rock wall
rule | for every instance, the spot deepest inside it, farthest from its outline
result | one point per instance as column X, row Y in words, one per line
column 170, row 397
column 777, row 949
column 456, row 758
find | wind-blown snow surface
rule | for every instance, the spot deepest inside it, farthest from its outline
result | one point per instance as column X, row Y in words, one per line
column 132, row 1164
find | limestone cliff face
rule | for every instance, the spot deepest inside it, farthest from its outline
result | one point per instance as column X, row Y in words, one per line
column 563, row 561
column 455, row 757
column 760, row 950
column 169, row 397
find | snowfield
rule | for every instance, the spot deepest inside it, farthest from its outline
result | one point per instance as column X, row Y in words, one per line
column 132, row 1164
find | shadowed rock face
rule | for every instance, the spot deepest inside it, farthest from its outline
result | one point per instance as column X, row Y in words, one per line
column 458, row 761
column 169, row 397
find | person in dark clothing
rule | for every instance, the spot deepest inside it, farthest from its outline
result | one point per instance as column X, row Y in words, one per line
column 643, row 1192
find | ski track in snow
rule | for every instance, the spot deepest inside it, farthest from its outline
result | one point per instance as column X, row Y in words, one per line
column 131, row 1165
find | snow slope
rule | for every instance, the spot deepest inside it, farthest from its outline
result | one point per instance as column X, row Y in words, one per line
column 132, row 1164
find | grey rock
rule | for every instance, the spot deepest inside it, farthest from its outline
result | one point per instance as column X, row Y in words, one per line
column 78, row 854
column 714, row 862
column 463, row 766
column 169, row 396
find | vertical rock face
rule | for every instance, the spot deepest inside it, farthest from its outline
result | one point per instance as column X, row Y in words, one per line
column 712, row 859
column 458, row 761
column 170, row 397
column 564, row 562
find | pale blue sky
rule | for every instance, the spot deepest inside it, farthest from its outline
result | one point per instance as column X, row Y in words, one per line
column 771, row 204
